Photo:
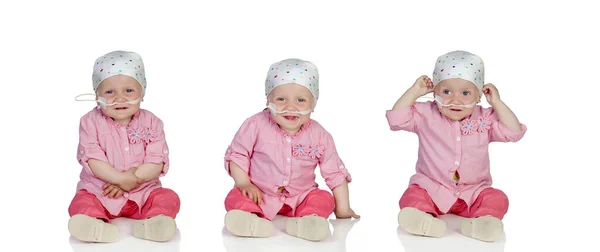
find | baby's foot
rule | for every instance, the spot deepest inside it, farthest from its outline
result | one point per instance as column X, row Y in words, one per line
column 486, row 228
column 310, row 227
column 159, row 228
column 90, row 229
column 417, row 222
column 245, row 224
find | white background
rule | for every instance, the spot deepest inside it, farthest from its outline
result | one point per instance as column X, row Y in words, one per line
column 206, row 63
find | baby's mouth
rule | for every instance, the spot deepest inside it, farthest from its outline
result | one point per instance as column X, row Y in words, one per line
column 291, row 118
column 121, row 108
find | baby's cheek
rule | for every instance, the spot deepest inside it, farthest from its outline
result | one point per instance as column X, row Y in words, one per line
column 470, row 111
column 278, row 120
column 305, row 118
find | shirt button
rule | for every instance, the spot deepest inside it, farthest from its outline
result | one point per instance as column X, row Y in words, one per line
column 456, row 163
column 457, row 138
column 126, row 148
column 123, row 129
column 341, row 166
column 285, row 182
column 288, row 139
column 126, row 195
column 289, row 160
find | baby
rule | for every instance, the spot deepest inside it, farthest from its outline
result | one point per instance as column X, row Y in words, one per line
column 453, row 167
column 123, row 152
column 273, row 156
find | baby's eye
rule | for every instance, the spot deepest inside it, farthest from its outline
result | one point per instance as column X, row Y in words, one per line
column 301, row 100
column 446, row 91
column 108, row 92
column 280, row 99
column 129, row 90
column 465, row 93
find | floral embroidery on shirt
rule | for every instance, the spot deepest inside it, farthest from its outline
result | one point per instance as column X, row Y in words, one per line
column 483, row 124
column 468, row 127
column 313, row 151
column 139, row 135
column 135, row 136
column 149, row 135
column 316, row 151
column 300, row 150
column 480, row 125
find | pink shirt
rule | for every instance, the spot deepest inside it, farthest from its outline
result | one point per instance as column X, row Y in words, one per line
column 123, row 147
column 447, row 146
column 273, row 160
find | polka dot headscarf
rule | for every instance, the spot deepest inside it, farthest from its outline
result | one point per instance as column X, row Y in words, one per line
column 460, row 64
column 119, row 62
column 293, row 71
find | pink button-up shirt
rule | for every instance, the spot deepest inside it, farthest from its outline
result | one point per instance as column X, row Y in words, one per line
column 447, row 146
column 273, row 160
column 123, row 147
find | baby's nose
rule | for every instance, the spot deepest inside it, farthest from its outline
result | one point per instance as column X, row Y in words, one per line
column 120, row 98
column 288, row 106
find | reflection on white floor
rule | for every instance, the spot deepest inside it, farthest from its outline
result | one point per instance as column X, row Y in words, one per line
column 281, row 241
column 126, row 242
column 453, row 241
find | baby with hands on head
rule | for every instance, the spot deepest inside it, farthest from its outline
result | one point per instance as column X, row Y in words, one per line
column 272, row 160
column 453, row 167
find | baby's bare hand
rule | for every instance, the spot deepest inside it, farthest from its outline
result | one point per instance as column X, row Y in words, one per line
column 129, row 181
column 251, row 191
column 423, row 85
column 346, row 213
column 112, row 191
column 491, row 93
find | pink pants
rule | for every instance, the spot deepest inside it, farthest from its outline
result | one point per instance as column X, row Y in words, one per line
column 490, row 201
column 160, row 201
column 317, row 202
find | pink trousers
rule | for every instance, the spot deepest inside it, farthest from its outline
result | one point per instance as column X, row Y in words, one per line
column 160, row 201
column 490, row 201
column 317, row 202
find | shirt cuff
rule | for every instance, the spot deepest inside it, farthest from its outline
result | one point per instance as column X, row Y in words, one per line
column 398, row 117
column 338, row 179
column 511, row 134
column 242, row 162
